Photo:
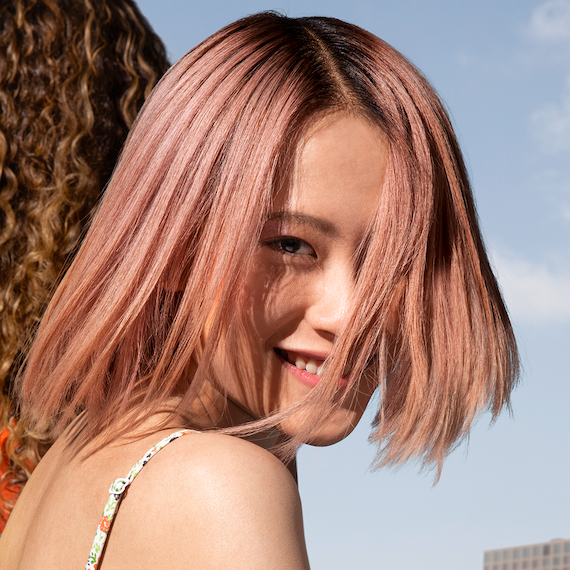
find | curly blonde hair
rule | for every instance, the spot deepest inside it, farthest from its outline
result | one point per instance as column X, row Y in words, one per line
column 73, row 75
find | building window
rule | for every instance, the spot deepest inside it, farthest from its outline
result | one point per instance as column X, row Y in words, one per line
column 556, row 561
column 526, row 552
column 535, row 563
column 506, row 554
column 516, row 553
column 567, row 560
column 487, row 557
column 546, row 561
column 496, row 556
column 515, row 566
column 525, row 565
column 536, row 551
column 557, row 548
column 567, row 547
column 546, row 550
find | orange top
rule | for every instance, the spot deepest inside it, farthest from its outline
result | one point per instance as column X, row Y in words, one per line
column 7, row 492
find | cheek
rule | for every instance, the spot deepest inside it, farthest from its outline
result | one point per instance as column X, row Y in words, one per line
column 253, row 304
column 271, row 301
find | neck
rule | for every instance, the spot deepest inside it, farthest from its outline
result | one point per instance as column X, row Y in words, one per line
column 213, row 410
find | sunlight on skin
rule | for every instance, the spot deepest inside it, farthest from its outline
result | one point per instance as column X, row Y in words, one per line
column 298, row 293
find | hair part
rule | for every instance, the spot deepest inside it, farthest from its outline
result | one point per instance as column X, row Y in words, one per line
column 187, row 203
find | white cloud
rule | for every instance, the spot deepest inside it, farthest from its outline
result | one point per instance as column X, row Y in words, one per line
column 533, row 292
column 550, row 22
column 551, row 124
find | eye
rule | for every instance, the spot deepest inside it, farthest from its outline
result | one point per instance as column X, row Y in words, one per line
column 292, row 246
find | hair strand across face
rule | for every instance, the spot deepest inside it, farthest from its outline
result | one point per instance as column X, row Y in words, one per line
column 186, row 204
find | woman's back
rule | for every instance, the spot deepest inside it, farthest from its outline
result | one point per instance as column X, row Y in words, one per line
column 208, row 500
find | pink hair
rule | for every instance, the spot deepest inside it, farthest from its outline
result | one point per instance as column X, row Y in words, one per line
column 186, row 205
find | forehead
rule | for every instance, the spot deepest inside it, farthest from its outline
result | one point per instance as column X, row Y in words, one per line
column 338, row 172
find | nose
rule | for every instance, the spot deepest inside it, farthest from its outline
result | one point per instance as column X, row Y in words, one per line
column 331, row 301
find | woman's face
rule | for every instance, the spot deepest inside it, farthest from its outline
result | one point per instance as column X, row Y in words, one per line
column 297, row 297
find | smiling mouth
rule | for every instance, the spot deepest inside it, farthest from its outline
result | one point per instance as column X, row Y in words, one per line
column 301, row 361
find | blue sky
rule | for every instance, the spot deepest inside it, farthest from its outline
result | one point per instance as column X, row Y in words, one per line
column 502, row 68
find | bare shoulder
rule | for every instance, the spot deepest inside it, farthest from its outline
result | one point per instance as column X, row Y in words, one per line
column 243, row 474
column 223, row 452
column 218, row 501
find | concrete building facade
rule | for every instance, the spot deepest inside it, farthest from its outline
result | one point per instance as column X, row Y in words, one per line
column 553, row 555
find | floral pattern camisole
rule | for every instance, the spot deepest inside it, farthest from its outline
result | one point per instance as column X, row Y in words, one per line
column 117, row 491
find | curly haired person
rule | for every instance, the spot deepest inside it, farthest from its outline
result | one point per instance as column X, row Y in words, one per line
column 73, row 75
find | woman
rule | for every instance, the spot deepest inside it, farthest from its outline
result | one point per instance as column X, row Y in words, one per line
column 289, row 228
column 73, row 75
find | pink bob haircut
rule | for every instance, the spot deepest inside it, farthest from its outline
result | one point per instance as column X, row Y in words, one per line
column 174, row 236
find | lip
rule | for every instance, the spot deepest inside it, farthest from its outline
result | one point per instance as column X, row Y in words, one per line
column 305, row 377
column 317, row 356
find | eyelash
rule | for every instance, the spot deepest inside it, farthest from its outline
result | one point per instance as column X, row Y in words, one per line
column 278, row 245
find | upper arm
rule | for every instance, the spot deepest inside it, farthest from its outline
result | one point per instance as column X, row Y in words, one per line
column 222, row 503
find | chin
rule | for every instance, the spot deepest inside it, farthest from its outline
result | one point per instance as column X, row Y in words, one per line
column 334, row 430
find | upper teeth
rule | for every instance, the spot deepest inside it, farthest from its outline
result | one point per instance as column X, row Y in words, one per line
column 303, row 363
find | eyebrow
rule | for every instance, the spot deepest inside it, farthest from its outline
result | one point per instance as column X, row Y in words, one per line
column 317, row 223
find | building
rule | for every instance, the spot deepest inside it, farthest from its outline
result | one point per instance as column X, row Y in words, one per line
column 553, row 555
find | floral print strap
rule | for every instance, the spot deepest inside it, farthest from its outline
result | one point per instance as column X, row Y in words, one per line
column 116, row 494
